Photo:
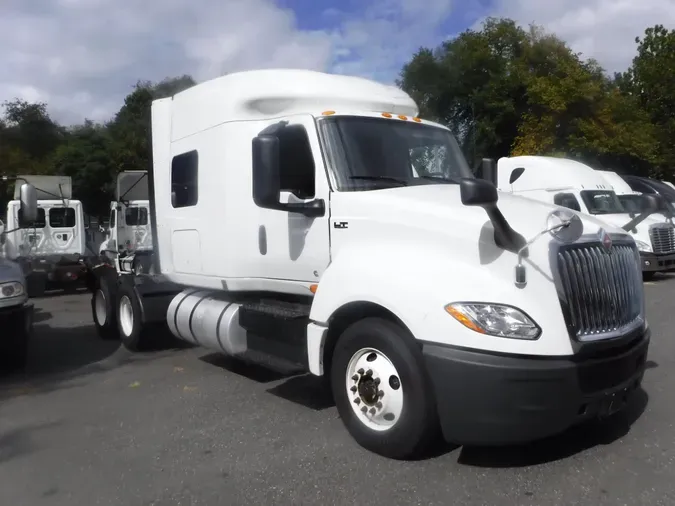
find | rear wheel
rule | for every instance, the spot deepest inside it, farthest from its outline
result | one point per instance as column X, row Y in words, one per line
column 134, row 334
column 103, row 306
column 382, row 391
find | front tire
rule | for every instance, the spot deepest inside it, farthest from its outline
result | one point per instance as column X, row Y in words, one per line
column 382, row 391
column 648, row 275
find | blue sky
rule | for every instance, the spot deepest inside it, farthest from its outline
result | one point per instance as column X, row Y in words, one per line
column 82, row 57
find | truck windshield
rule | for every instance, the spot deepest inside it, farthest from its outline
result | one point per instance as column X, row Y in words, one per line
column 602, row 202
column 373, row 153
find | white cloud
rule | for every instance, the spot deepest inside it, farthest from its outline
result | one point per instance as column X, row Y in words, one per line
column 602, row 29
column 83, row 56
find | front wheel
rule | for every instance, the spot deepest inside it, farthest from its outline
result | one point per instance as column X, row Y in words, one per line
column 648, row 275
column 382, row 391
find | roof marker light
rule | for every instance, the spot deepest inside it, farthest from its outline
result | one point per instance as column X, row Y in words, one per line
column 386, row 115
column 328, row 113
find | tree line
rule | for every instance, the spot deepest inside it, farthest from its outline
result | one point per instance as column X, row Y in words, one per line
column 502, row 89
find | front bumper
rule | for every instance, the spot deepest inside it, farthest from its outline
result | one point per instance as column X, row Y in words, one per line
column 491, row 399
column 651, row 262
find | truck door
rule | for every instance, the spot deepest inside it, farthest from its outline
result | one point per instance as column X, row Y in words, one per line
column 112, row 230
column 297, row 246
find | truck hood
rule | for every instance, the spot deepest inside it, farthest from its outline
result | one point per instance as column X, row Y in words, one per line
column 438, row 207
column 619, row 220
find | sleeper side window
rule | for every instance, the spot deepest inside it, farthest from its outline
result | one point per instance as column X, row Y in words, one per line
column 296, row 162
column 62, row 217
column 41, row 221
column 567, row 200
column 184, row 180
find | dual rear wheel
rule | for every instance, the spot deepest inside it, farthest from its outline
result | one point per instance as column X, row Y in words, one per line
column 117, row 313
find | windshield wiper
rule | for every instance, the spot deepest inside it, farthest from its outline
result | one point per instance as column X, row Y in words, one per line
column 402, row 182
column 449, row 180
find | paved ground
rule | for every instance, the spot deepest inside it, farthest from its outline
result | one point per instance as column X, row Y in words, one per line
column 90, row 424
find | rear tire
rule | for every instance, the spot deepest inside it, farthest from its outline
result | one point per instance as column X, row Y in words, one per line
column 133, row 333
column 103, row 306
column 377, row 357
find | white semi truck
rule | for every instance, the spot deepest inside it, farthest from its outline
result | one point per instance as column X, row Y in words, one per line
column 16, row 311
column 52, row 248
column 579, row 187
column 129, row 230
column 314, row 220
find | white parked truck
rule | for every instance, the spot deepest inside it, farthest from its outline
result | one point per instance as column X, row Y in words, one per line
column 577, row 186
column 16, row 312
column 129, row 228
column 314, row 220
column 52, row 248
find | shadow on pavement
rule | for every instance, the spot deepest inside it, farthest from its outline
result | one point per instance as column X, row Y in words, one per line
column 18, row 442
column 304, row 389
column 58, row 355
column 575, row 440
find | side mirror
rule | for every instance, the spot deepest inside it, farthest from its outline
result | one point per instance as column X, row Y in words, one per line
column 267, row 178
column 28, row 204
column 482, row 193
column 478, row 192
column 266, row 183
column 488, row 170
column 2, row 228
column 515, row 174
column 652, row 202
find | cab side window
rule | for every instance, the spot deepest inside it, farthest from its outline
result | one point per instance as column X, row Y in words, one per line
column 567, row 200
column 296, row 162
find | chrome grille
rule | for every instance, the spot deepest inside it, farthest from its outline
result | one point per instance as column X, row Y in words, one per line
column 602, row 288
column 663, row 238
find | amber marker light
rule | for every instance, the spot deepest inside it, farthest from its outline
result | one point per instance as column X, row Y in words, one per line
column 313, row 288
column 464, row 320
column 386, row 115
column 327, row 113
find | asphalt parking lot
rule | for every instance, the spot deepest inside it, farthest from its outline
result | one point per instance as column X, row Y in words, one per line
column 90, row 424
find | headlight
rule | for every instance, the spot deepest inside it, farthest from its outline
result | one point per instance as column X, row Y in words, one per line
column 643, row 246
column 494, row 320
column 12, row 289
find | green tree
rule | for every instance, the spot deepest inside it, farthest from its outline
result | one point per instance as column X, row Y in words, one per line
column 130, row 129
column 651, row 82
column 87, row 158
column 508, row 91
column 471, row 83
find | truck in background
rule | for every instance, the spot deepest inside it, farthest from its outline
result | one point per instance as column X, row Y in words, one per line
column 577, row 186
column 315, row 222
column 16, row 311
column 52, row 248
column 129, row 229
